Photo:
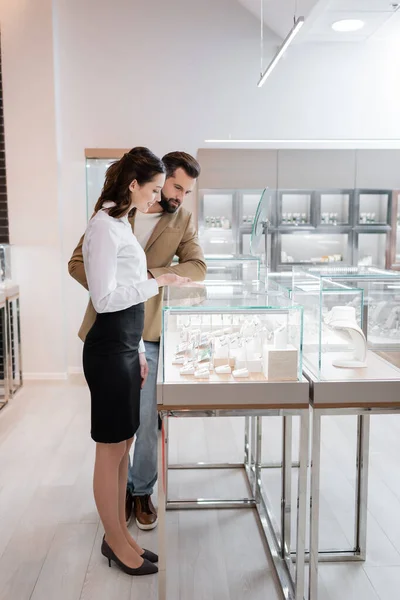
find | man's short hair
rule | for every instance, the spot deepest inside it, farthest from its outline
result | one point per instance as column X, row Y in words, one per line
column 181, row 160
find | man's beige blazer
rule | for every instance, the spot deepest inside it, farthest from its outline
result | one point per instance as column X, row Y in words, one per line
column 174, row 234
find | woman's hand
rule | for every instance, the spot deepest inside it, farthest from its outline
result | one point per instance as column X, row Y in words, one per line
column 144, row 368
column 172, row 279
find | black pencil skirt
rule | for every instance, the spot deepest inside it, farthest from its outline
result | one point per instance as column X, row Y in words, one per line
column 112, row 371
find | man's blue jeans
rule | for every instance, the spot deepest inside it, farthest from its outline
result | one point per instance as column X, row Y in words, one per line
column 142, row 473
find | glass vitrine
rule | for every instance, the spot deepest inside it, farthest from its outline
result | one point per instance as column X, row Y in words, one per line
column 333, row 318
column 230, row 332
column 95, row 174
column 381, row 301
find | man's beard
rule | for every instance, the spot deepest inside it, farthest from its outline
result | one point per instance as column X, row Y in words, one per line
column 166, row 204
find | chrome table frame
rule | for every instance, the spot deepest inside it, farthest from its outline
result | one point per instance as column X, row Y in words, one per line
column 353, row 392
column 292, row 580
column 14, row 339
column 4, row 355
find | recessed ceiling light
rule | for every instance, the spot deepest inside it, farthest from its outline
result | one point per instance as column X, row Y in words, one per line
column 348, row 25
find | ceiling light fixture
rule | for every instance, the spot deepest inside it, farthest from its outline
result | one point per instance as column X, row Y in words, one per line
column 298, row 23
column 348, row 25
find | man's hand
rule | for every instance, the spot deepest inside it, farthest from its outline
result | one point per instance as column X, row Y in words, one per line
column 144, row 368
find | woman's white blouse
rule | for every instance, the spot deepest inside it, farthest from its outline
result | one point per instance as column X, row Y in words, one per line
column 115, row 265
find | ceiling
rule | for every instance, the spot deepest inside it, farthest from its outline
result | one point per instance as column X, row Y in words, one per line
column 381, row 17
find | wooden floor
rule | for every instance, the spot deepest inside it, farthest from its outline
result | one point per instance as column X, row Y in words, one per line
column 50, row 534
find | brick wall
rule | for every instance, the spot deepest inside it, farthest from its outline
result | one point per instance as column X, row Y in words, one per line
column 4, row 233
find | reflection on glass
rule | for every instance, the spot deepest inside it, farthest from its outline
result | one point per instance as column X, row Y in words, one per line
column 95, row 174
column 372, row 249
column 233, row 269
column 335, row 209
column 373, row 209
column 314, row 248
column 296, row 208
column 249, row 208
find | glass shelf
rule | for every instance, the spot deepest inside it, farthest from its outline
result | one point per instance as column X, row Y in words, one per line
column 314, row 248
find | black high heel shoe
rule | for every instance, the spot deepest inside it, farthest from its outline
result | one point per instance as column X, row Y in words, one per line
column 147, row 554
column 150, row 556
column 147, row 568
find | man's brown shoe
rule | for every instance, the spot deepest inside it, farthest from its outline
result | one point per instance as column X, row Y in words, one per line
column 128, row 506
column 145, row 513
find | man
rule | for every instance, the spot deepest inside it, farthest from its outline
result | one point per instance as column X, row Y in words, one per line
column 166, row 230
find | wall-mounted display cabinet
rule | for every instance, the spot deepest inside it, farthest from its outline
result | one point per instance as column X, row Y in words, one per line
column 354, row 227
column 226, row 220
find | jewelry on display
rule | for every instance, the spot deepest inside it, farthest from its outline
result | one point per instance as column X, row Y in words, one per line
column 223, row 369
column 240, row 373
column 187, row 370
column 202, row 374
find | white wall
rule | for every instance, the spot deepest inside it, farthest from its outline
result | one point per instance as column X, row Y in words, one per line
column 32, row 179
column 164, row 74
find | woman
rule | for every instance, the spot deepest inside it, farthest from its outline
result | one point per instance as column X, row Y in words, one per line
column 114, row 362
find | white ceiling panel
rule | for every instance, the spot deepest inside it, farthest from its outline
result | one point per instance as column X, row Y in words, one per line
column 381, row 18
column 321, row 29
column 278, row 14
column 361, row 5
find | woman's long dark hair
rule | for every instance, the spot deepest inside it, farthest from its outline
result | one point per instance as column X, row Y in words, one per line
column 140, row 164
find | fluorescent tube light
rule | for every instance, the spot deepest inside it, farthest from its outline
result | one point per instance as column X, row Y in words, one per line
column 286, row 42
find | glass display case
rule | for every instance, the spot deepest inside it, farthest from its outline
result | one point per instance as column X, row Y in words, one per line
column 333, row 317
column 324, row 226
column 226, row 219
column 381, row 301
column 230, row 332
column 243, row 268
column 218, row 222
column 393, row 261
column 95, row 174
column 5, row 263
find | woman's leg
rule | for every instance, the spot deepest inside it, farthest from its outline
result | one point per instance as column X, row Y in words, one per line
column 123, row 478
column 106, row 493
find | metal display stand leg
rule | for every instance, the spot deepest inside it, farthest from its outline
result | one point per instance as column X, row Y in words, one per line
column 162, row 507
column 358, row 552
column 360, row 537
column 290, row 570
